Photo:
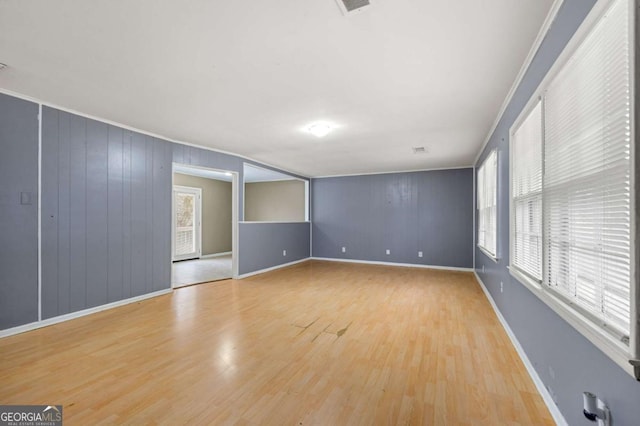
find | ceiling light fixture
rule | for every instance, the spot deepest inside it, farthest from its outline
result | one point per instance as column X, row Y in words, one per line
column 320, row 130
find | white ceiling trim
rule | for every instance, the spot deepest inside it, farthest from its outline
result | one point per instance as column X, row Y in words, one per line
column 144, row 132
column 551, row 16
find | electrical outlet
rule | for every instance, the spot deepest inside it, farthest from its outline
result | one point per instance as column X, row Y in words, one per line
column 284, row 252
column 419, row 254
column 501, row 287
column 344, row 249
column 388, row 251
column 483, row 269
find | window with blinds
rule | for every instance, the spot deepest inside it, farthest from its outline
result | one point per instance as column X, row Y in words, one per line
column 487, row 203
column 587, row 197
column 526, row 194
column 571, row 180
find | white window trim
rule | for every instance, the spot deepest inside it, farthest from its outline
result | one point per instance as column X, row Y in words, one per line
column 493, row 256
column 532, row 282
column 606, row 342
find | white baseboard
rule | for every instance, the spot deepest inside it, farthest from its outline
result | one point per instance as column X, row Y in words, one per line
column 404, row 265
column 273, row 268
column 45, row 323
column 546, row 396
column 209, row 256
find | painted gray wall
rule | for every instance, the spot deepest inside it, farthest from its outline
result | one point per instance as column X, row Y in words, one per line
column 18, row 221
column 567, row 363
column 261, row 244
column 106, row 213
column 428, row 211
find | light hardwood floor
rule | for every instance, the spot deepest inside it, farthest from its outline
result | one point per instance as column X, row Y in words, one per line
column 318, row 343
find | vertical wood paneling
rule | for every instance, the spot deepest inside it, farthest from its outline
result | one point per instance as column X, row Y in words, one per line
column 97, row 213
column 50, row 149
column 106, row 213
column 148, row 223
column 126, row 214
column 430, row 212
column 138, row 214
column 78, row 214
column 115, row 214
column 18, row 221
column 64, row 226
column 161, row 227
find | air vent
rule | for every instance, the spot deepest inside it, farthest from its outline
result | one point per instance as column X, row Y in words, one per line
column 419, row 150
column 351, row 6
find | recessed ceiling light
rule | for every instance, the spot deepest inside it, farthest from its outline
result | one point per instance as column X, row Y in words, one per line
column 320, row 130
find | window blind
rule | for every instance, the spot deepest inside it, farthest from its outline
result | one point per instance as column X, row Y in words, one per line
column 526, row 194
column 587, row 175
column 487, row 203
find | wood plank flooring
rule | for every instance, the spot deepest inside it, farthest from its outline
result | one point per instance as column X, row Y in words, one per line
column 318, row 343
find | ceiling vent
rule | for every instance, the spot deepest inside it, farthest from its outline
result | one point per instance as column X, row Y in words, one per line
column 353, row 6
column 419, row 150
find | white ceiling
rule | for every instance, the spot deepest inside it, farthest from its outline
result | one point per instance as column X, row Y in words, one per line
column 248, row 77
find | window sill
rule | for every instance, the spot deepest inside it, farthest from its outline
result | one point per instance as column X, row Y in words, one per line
column 487, row 253
column 613, row 348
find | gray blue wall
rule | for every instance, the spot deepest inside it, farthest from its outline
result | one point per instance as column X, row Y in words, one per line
column 566, row 362
column 262, row 244
column 428, row 211
column 18, row 216
column 106, row 213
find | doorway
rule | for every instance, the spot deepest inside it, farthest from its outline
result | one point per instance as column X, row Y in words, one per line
column 187, row 222
column 204, row 225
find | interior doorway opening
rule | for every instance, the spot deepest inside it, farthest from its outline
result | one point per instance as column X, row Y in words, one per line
column 204, row 225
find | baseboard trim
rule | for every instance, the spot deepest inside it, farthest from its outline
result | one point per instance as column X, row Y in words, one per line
column 404, row 265
column 273, row 268
column 546, row 396
column 62, row 318
column 209, row 256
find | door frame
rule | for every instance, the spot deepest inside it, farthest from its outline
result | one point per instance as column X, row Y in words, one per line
column 235, row 197
column 197, row 220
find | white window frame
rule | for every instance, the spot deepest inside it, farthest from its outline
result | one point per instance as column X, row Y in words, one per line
column 620, row 353
column 482, row 186
column 532, row 282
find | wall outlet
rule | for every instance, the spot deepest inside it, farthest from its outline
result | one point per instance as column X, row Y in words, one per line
column 388, row 251
column 501, row 287
column 284, row 252
column 419, row 254
column 344, row 249
column 483, row 269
